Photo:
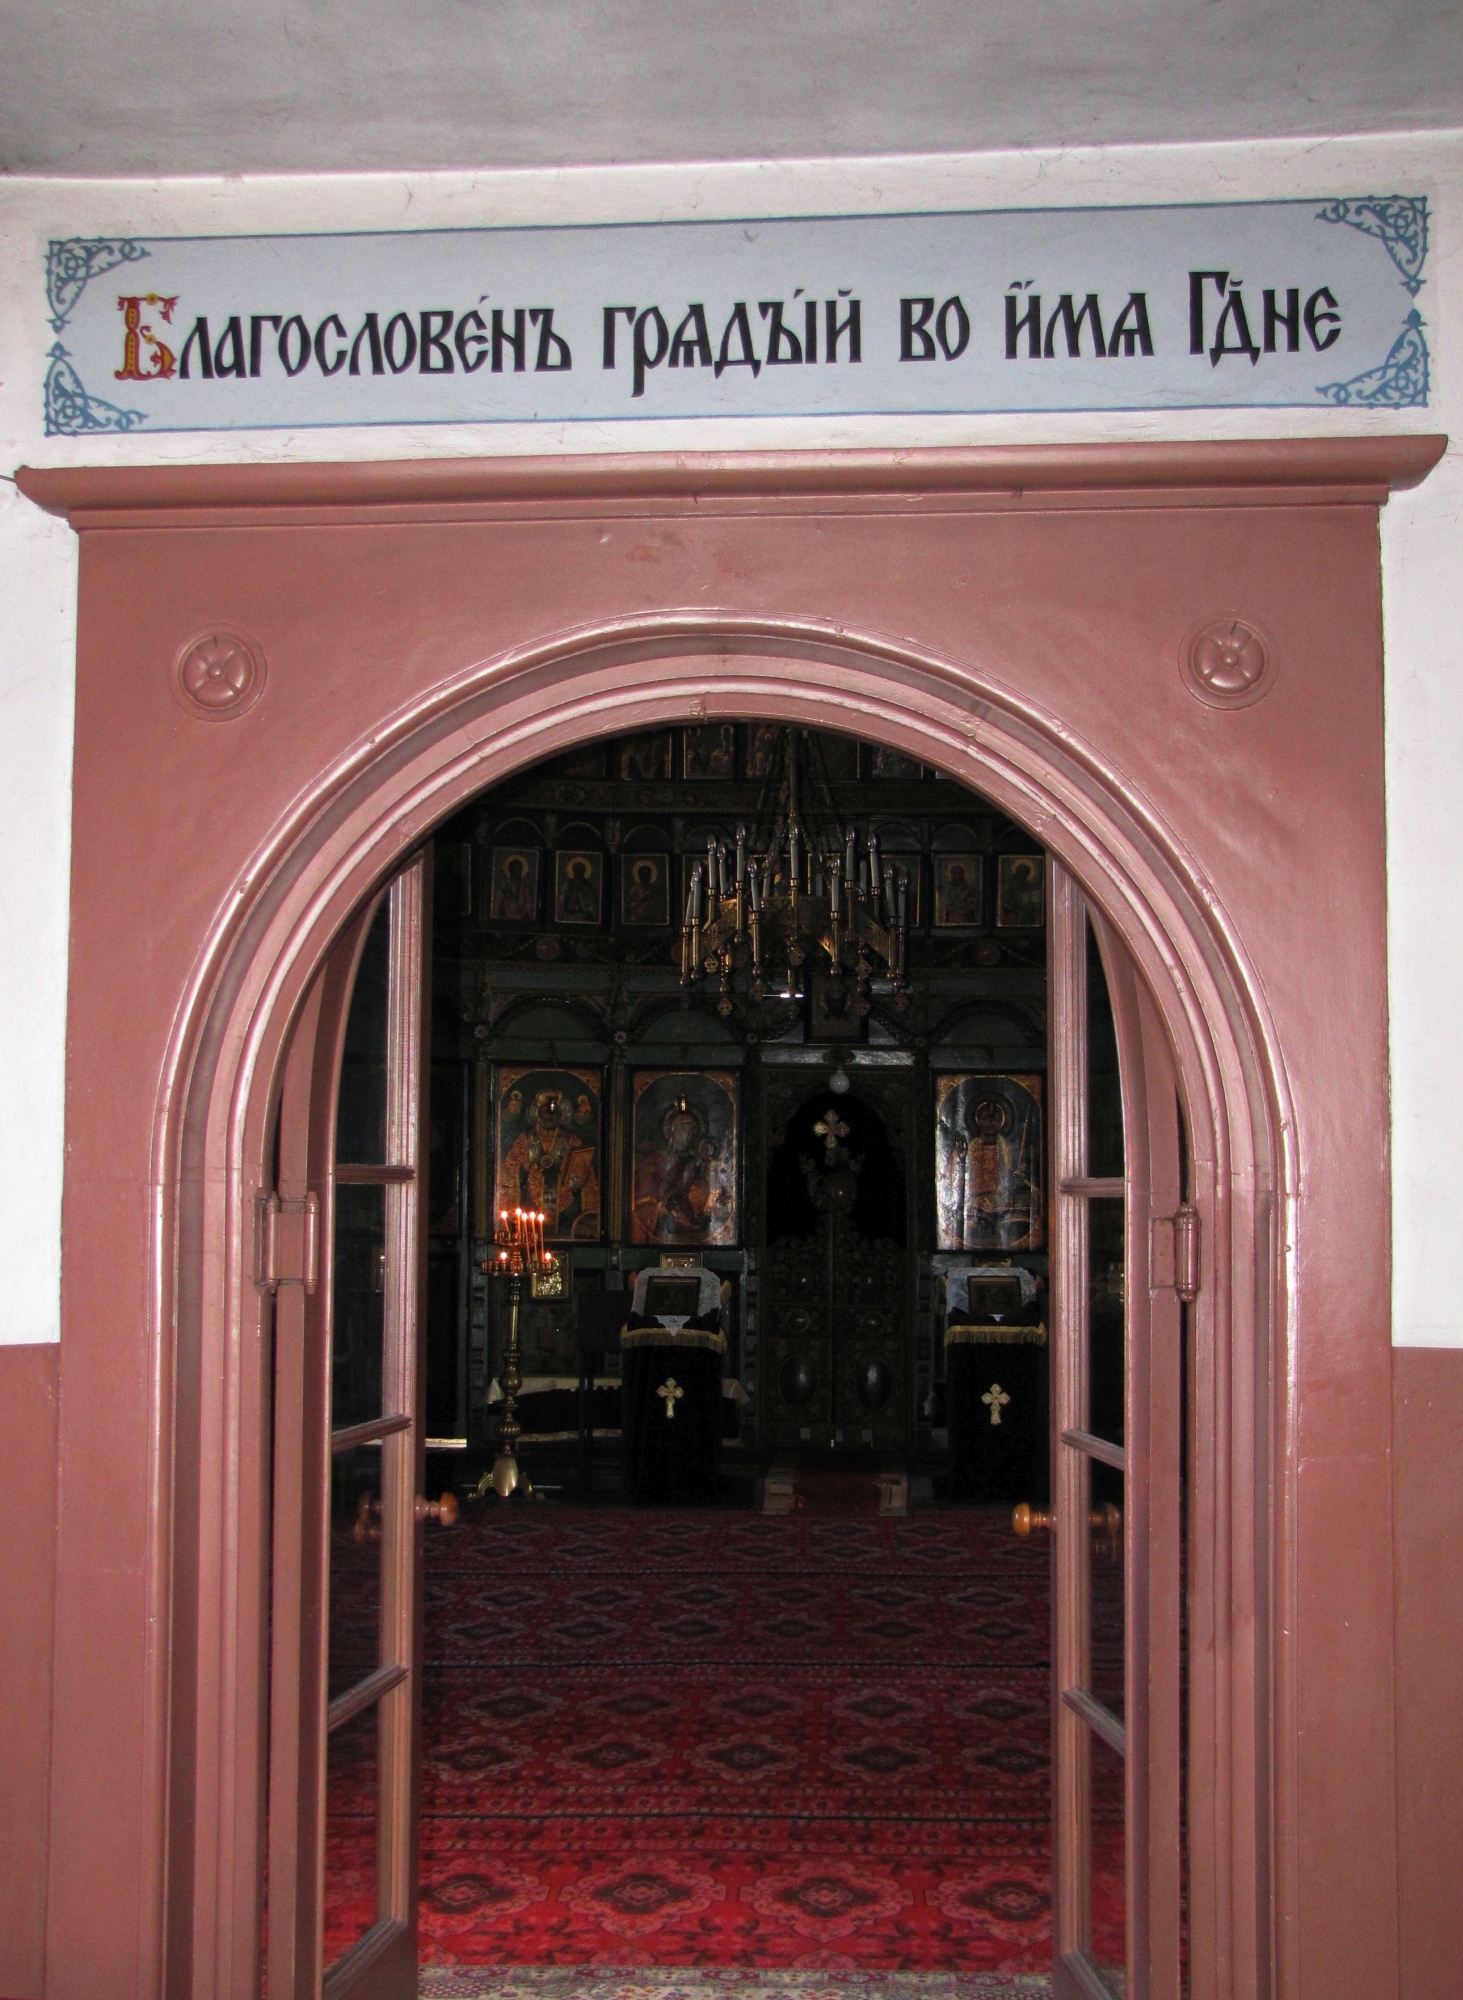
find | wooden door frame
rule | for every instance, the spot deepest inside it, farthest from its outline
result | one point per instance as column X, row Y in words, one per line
column 197, row 1794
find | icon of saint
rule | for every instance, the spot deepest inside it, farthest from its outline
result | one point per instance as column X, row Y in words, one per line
column 679, row 1196
column 551, row 1167
column 644, row 902
column 1023, row 881
column 990, row 1196
column 578, row 892
column 959, row 895
column 516, row 900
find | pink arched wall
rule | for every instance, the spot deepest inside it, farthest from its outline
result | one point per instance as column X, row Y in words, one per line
column 287, row 676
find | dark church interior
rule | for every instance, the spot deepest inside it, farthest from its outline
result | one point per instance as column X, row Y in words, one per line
column 734, row 1655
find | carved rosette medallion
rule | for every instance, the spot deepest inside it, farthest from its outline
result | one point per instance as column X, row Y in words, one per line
column 219, row 675
column 1227, row 663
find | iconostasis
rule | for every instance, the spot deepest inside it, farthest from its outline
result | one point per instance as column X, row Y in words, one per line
column 831, row 1139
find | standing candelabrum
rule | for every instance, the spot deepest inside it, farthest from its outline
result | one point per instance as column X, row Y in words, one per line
column 519, row 1240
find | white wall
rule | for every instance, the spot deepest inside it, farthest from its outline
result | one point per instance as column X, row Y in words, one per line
column 1422, row 541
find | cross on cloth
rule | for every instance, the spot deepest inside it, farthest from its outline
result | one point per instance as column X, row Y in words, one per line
column 670, row 1392
column 995, row 1400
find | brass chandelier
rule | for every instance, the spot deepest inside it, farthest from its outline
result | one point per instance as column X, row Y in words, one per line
column 802, row 883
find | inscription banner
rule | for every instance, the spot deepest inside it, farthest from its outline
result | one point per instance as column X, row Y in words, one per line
column 1242, row 305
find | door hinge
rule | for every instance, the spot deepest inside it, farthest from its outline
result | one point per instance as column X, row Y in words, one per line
column 289, row 1241
column 1174, row 1264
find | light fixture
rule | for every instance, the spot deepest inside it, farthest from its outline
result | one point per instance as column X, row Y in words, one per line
column 802, row 882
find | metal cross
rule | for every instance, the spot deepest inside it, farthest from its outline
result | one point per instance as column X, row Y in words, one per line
column 671, row 1393
column 995, row 1400
column 830, row 1130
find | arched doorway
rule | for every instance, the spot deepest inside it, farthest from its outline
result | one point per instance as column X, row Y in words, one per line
column 1195, row 1086
column 834, row 1322
column 1118, row 790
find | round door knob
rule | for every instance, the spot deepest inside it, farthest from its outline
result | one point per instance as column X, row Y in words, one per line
column 1025, row 1518
column 443, row 1510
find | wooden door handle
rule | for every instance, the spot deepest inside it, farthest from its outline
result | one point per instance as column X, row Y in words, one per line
column 443, row 1510
column 1107, row 1520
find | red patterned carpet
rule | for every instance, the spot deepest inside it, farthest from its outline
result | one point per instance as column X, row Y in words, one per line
column 697, row 1738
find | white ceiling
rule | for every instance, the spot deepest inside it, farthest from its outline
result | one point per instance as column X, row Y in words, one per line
column 143, row 87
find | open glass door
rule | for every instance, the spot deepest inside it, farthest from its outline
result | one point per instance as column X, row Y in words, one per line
column 348, row 1460
column 1122, row 1247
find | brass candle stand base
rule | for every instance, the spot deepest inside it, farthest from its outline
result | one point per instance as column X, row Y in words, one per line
column 505, row 1479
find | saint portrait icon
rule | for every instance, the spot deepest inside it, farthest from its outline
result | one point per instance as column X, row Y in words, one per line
column 887, row 763
column 1021, row 892
column 684, row 1126
column 959, row 902
column 710, row 750
column 988, row 1170
column 762, row 748
column 548, row 1149
column 514, row 898
column 578, row 886
column 646, row 759
column 645, row 890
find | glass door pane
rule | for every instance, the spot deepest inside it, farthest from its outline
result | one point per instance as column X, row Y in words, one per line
column 352, row 1832
column 1104, row 1089
column 1107, row 1589
column 1107, row 1846
column 360, row 1300
column 355, row 1568
column 1106, row 1318
column 360, row 1121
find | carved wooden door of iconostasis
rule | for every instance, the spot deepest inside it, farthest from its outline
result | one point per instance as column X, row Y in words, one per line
column 1124, row 1260
column 348, row 1457
column 838, row 1271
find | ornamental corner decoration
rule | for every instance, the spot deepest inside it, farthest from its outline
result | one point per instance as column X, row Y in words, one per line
column 1180, row 307
column 71, row 264
column 1399, row 223
column 1400, row 382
